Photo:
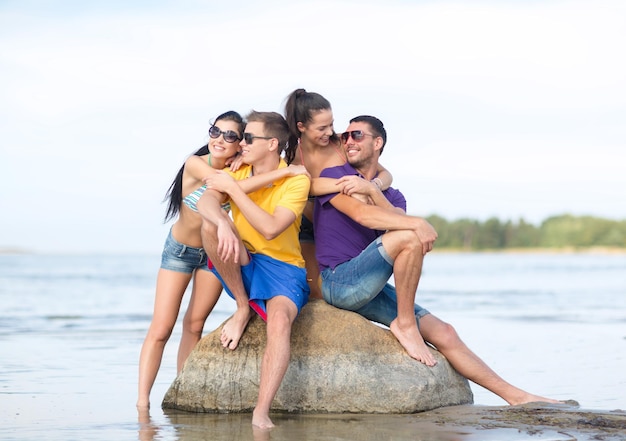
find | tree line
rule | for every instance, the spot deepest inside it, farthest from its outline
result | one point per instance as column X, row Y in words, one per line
column 562, row 231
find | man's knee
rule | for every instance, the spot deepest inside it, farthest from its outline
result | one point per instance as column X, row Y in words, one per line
column 406, row 240
column 278, row 324
column 447, row 336
column 280, row 317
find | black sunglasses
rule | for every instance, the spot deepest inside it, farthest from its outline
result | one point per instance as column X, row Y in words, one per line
column 229, row 135
column 357, row 135
column 249, row 137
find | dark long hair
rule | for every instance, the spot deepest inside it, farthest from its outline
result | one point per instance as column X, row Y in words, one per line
column 174, row 194
column 300, row 107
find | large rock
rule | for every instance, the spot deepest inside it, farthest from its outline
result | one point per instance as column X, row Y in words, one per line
column 340, row 362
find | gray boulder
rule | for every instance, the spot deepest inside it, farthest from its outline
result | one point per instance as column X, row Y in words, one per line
column 340, row 362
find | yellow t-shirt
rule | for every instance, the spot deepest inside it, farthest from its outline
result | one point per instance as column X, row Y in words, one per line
column 290, row 192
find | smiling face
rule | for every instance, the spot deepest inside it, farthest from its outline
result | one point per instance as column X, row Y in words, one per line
column 257, row 147
column 364, row 152
column 219, row 147
column 319, row 130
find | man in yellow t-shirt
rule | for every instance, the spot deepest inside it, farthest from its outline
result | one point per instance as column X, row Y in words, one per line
column 257, row 254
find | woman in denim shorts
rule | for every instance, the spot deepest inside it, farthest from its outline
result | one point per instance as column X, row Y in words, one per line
column 183, row 258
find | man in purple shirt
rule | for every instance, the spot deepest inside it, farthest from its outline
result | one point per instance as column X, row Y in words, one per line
column 363, row 240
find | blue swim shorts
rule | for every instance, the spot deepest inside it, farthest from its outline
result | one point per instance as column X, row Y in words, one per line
column 182, row 258
column 360, row 285
column 265, row 277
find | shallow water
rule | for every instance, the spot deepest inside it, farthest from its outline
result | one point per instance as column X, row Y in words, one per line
column 71, row 328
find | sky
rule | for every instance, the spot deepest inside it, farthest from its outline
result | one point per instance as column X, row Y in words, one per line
column 507, row 109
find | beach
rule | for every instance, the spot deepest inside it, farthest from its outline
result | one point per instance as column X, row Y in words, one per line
column 72, row 326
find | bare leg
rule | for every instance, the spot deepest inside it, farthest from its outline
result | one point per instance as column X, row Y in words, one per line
column 281, row 312
column 170, row 290
column 406, row 251
column 231, row 274
column 204, row 295
column 468, row 364
column 312, row 269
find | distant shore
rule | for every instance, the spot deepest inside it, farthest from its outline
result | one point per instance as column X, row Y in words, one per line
column 562, row 250
column 10, row 250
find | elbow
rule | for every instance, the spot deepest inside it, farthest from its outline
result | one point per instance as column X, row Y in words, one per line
column 270, row 234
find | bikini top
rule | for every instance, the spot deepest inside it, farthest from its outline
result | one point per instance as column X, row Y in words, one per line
column 191, row 200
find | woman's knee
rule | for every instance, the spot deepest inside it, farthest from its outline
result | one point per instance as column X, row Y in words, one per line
column 159, row 333
column 193, row 325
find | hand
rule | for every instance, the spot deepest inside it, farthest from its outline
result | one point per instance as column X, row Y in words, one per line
column 227, row 242
column 220, row 181
column 295, row 170
column 235, row 162
column 349, row 185
column 426, row 234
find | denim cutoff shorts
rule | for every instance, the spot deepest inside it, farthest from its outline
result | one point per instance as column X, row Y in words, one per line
column 360, row 285
column 182, row 258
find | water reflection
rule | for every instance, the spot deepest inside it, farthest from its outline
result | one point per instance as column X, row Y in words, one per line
column 456, row 423
column 201, row 426
column 148, row 429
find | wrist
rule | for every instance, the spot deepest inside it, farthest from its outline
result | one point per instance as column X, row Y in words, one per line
column 378, row 183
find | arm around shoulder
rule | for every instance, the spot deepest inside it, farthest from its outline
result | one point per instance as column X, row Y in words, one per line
column 384, row 176
column 198, row 168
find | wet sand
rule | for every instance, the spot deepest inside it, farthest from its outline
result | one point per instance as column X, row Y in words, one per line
column 534, row 421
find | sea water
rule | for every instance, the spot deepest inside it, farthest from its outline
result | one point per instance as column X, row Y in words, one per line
column 71, row 328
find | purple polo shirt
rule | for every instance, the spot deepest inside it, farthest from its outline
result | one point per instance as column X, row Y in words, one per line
column 337, row 237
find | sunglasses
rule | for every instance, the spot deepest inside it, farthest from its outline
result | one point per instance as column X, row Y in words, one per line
column 356, row 135
column 229, row 135
column 249, row 137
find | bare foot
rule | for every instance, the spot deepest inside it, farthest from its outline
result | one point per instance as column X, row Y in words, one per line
column 412, row 341
column 530, row 398
column 233, row 328
column 261, row 420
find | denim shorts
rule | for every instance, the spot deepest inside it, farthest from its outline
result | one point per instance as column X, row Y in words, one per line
column 182, row 258
column 360, row 285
